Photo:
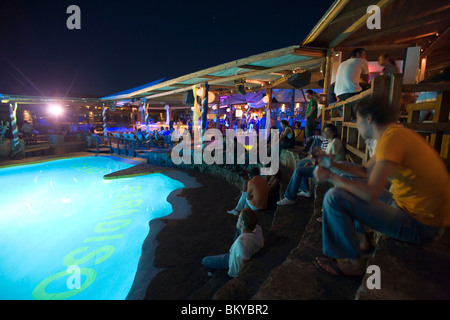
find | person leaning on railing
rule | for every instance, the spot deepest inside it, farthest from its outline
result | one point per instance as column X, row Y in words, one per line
column 418, row 210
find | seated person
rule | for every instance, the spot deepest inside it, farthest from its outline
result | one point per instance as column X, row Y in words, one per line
column 248, row 240
column 287, row 136
column 273, row 183
column 315, row 141
column 26, row 129
column 139, row 135
column 418, row 210
column 161, row 131
column 298, row 185
column 390, row 67
column 299, row 134
column 255, row 196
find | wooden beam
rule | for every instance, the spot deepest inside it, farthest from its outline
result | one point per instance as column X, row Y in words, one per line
column 358, row 24
column 439, row 41
column 311, row 52
column 389, row 31
column 426, row 87
column 329, row 16
column 305, row 64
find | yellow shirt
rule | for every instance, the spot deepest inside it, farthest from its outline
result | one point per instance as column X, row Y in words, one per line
column 299, row 135
column 420, row 182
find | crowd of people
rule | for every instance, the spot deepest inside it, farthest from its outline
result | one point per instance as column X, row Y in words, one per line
column 402, row 191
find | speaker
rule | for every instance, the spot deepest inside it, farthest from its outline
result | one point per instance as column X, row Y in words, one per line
column 188, row 98
column 299, row 80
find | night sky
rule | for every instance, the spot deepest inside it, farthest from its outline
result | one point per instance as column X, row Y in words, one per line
column 124, row 44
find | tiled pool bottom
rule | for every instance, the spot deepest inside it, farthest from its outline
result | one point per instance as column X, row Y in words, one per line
column 67, row 233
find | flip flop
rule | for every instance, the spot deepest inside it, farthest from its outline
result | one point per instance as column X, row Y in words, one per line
column 333, row 264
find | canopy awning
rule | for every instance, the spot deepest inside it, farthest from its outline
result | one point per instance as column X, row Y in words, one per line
column 266, row 70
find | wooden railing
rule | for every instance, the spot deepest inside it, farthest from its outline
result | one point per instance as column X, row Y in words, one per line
column 390, row 89
column 119, row 145
column 436, row 131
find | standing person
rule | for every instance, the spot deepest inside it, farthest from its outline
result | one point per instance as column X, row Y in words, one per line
column 311, row 114
column 248, row 240
column 256, row 194
column 349, row 74
column 420, row 205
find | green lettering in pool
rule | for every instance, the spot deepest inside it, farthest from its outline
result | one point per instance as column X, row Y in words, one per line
column 39, row 292
column 104, row 238
column 128, row 204
column 71, row 260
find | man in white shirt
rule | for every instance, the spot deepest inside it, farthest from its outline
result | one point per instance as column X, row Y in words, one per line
column 349, row 74
column 248, row 241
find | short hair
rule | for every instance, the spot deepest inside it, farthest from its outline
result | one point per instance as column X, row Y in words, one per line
column 380, row 111
column 254, row 171
column 387, row 56
column 250, row 218
column 356, row 51
column 332, row 128
column 285, row 122
column 310, row 91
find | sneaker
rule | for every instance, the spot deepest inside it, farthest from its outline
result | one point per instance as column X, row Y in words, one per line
column 305, row 194
column 285, row 202
column 234, row 212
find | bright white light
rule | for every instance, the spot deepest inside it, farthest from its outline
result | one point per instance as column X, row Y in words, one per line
column 56, row 109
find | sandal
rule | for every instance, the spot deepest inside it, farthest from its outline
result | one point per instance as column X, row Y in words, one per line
column 334, row 265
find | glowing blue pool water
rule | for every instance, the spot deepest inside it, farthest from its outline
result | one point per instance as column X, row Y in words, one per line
column 66, row 233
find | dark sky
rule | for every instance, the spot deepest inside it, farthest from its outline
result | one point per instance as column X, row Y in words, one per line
column 124, row 44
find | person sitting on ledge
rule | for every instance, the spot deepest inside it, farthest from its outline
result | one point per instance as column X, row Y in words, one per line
column 248, row 240
column 287, row 136
column 349, row 74
column 256, row 194
column 418, row 211
column 298, row 184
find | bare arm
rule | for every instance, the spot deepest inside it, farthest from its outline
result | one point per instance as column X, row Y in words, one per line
column 368, row 190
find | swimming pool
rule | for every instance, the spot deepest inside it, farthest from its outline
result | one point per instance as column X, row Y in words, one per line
column 66, row 233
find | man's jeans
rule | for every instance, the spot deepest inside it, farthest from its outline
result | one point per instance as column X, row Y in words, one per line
column 299, row 179
column 345, row 214
column 244, row 203
column 213, row 263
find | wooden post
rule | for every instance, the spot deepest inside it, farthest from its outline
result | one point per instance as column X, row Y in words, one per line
column 204, row 111
column 269, row 111
column 104, row 119
column 292, row 103
column 326, row 81
column 15, row 145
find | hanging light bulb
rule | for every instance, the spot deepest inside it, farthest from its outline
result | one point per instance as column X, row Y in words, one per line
column 266, row 99
column 200, row 92
column 211, row 96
